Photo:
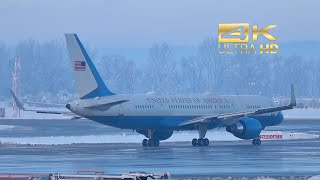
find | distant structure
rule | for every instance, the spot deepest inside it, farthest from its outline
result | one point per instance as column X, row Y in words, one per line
column 2, row 110
column 16, row 86
column 132, row 83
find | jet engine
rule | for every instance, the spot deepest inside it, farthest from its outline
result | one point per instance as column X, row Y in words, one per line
column 157, row 134
column 246, row 128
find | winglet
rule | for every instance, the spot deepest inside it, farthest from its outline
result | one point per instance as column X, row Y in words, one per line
column 16, row 100
column 293, row 97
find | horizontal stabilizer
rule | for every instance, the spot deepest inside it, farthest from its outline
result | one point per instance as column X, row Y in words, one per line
column 16, row 100
column 43, row 111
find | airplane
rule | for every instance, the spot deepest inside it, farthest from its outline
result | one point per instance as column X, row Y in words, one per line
column 158, row 116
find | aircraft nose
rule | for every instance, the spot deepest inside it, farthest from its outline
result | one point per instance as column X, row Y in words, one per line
column 68, row 106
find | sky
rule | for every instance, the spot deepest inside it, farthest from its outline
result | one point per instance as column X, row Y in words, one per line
column 140, row 23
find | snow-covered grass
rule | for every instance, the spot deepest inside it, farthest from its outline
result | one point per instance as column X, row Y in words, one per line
column 123, row 138
column 302, row 113
column 3, row 127
column 315, row 178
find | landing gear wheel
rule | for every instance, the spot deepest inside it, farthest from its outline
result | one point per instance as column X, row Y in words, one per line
column 200, row 142
column 194, row 142
column 150, row 143
column 256, row 141
column 145, row 142
column 206, row 142
column 156, row 143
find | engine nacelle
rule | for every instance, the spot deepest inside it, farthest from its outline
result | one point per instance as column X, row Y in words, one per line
column 246, row 128
column 157, row 134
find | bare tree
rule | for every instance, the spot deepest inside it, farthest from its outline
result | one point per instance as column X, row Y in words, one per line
column 162, row 68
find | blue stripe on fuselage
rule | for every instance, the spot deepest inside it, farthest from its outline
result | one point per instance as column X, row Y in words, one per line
column 170, row 122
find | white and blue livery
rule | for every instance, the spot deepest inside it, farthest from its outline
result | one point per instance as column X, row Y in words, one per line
column 158, row 116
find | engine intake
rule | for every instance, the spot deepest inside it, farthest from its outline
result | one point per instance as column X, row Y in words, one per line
column 246, row 128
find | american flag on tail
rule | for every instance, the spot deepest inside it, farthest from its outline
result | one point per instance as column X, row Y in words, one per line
column 79, row 65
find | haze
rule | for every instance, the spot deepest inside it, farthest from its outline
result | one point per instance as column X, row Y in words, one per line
column 115, row 23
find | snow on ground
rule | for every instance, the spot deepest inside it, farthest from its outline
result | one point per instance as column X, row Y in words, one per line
column 3, row 127
column 265, row 178
column 302, row 113
column 315, row 178
column 123, row 138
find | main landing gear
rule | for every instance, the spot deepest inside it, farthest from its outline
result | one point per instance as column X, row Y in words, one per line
column 202, row 141
column 150, row 143
column 256, row 141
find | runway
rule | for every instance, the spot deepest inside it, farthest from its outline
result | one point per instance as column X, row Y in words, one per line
column 85, row 145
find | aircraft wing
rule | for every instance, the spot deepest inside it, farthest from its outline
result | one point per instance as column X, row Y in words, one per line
column 21, row 107
column 231, row 118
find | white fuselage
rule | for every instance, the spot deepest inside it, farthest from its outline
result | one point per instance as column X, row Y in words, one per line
column 165, row 111
column 171, row 105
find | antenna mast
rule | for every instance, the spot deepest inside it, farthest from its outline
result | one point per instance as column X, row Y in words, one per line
column 16, row 87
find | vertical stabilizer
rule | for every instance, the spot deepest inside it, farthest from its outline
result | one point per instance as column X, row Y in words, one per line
column 89, row 82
